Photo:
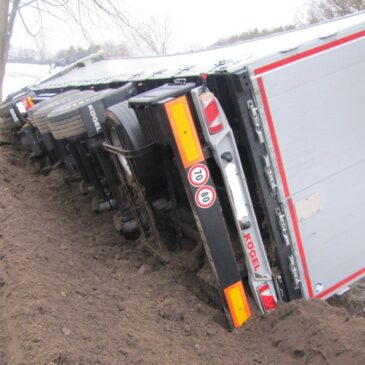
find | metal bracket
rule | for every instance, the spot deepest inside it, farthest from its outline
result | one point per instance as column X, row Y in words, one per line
column 281, row 218
column 130, row 154
column 294, row 272
column 255, row 120
column 269, row 174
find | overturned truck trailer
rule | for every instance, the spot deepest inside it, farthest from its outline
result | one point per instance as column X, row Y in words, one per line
column 260, row 158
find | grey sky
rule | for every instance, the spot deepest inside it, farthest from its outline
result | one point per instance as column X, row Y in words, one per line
column 195, row 22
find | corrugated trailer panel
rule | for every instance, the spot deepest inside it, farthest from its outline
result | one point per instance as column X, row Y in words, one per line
column 312, row 108
column 97, row 70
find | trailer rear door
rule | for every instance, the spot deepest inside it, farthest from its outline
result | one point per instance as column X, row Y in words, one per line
column 312, row 107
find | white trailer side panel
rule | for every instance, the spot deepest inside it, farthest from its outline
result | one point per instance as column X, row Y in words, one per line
column 312, row 106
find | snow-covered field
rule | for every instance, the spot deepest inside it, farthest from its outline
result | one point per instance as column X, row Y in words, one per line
column 18, row 75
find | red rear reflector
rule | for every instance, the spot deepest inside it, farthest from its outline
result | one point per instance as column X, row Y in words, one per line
column 267, row 299
column 211, row 111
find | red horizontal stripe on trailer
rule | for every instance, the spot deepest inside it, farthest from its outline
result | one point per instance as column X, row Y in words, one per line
column 309, row 52
column 342, row 282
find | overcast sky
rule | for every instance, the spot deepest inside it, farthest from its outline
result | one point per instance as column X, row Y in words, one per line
column 195, row 22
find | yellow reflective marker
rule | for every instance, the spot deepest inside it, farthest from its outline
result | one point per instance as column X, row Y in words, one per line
column 30, row 101
column 237, row 303
column 183, row 128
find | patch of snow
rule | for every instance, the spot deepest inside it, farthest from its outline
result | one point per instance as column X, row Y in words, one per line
column 18, row 75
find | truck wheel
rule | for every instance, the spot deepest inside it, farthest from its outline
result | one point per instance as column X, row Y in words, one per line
column 39, row 121
column 38, row 114
column 131, row 230
column 71, row 127
column 65, row 121
column 123, row 131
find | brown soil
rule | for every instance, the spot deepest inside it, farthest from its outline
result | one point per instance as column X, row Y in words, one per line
column 72, row 291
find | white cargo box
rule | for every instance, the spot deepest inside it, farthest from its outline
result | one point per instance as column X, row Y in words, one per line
column 312, row 106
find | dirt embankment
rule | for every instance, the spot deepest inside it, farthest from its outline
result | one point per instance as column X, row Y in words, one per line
column 73, row 292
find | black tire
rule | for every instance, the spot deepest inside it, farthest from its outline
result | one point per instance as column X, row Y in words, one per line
column 44, row 103
column 38, row 114
column 131, row 230
column 124, row 131
column 65, row 121
column 68, row 128
column 40, row 122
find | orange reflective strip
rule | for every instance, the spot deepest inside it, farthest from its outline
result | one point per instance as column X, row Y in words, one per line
column 30, row 101
column 183, row 128
column 237, row 303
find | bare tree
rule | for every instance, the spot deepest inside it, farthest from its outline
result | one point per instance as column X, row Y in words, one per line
column 85, row 14
column 328, row 9
column 111, row 49
column 8, row 11
column 156, row 34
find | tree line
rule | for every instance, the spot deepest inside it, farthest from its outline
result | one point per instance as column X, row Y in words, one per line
column 66, row 56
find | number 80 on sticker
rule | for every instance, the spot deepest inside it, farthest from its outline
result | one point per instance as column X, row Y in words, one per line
column 205, row 196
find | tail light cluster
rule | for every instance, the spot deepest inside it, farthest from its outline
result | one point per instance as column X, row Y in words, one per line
column 212, row 113
column 266, row 297
column 24, row 104
column 27, row 102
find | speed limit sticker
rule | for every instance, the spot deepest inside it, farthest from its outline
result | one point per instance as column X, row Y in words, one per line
column 205, row 197
column 198, row 175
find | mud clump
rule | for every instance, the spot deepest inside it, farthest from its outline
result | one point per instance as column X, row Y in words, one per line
column 314, row 332
column 353, row 300
column 72, row 291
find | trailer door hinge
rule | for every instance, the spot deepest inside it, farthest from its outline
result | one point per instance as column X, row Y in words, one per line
column 283, row 226
column 294, row 272
column 269, row 175
column 254, row 114
column 281, row 218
